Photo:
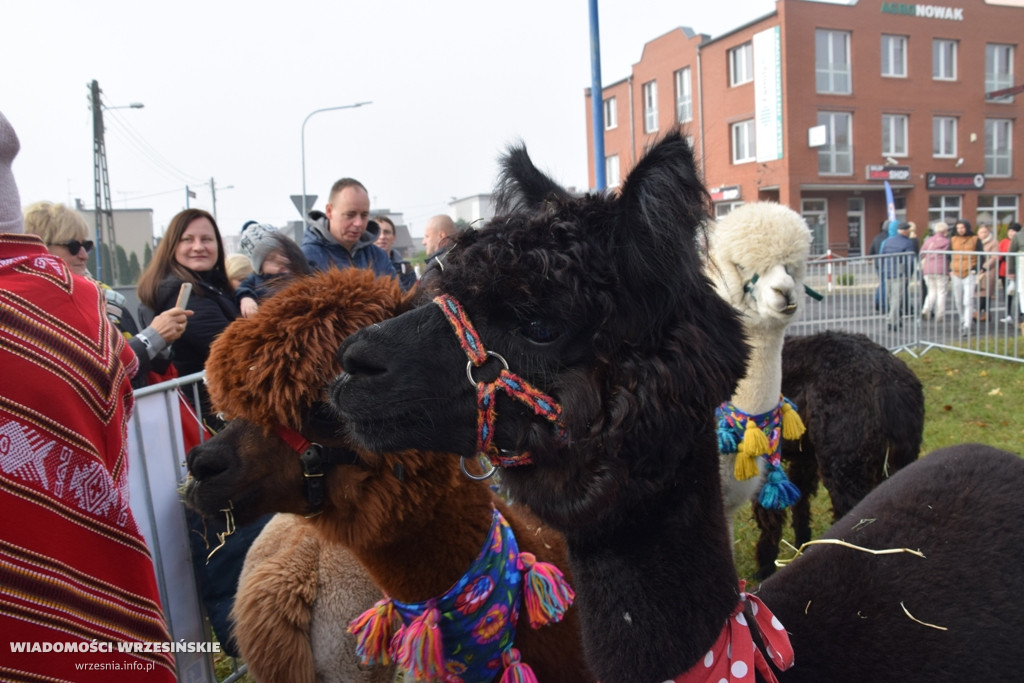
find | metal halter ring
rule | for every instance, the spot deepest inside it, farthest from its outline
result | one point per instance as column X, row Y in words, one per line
column 470, row 366
column 478, row 477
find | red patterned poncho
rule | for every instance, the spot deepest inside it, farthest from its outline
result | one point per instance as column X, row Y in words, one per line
column 74, row 569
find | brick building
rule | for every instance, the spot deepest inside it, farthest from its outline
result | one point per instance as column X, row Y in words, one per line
column 816, row 104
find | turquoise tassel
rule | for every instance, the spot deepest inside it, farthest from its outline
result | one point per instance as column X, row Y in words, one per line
column 778, row 491
column 546, row 592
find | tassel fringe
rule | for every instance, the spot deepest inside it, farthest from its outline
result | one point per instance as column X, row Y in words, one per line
column 515, row 670
column 792, row 426
column 417, row 646
column 778, row 491
column 374, row 630
column 546, row 592
column 754, row 445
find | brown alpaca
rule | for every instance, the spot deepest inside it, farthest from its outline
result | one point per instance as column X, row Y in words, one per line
column 411, row 518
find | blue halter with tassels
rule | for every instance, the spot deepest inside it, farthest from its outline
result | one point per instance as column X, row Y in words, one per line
column 753, row 436
column 467, row 634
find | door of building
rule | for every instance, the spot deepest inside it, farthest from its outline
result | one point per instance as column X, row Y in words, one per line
column 855, row 225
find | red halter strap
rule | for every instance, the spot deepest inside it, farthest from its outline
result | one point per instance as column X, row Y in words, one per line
column 517, row 388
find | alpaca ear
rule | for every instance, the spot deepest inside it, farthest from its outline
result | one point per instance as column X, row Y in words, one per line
column 663, row 210
column 521, row 186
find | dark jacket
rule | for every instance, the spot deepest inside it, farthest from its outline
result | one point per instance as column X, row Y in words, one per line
column 258, row 287
column 323, row 251
column 899, row 266
column 406, row 273
column 214, row 310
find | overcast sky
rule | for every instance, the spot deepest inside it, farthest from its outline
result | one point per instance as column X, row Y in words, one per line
column 226, row 86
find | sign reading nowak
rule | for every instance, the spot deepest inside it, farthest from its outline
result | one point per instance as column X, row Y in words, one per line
column 926, row 11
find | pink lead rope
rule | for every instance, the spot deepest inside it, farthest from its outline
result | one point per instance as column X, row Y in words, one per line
column 513, row 385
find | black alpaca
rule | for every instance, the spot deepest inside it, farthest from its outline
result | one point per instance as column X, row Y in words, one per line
column 864, row 411
column 617, row 352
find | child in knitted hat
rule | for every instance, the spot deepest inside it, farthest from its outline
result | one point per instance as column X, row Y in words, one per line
column 275, row 258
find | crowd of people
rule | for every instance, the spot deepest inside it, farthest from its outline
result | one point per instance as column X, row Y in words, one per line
column 973, row 268
column 72, row 352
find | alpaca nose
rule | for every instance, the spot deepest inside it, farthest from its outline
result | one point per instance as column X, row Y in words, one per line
column 358, row 355
column 204, row 463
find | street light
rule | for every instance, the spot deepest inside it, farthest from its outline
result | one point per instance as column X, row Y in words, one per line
column 305, row 207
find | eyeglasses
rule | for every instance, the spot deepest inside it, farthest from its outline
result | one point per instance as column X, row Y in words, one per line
column 73, row 246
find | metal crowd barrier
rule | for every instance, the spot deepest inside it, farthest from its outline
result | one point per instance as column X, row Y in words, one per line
column 156, row 470
column 853, row 301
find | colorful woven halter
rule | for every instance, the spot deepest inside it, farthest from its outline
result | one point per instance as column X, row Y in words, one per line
column 467, row 634
column 540, row 403
column 753, row 436
column 734, row 656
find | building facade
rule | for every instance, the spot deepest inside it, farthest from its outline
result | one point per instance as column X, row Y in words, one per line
column 817, row 105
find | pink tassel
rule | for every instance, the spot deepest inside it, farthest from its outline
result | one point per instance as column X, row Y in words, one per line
column 373, row 630
column 515, row 670
column 548, row 595
column 417, row 646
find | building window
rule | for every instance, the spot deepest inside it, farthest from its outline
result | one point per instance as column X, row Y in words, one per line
column 815, row 212
column 998, row 70
column 945, row 208
column 722, row 209
column 611, row 170
column 894, row 135
column 684, row 96
column 944, row 59
column 743, row 142
column 741, row 64
column 943, row 136
column 894, row 56
column 611, row 114
column 998, row 147
column 832, row 62
column 651, row 107
column 835, row 157
column 999, row 210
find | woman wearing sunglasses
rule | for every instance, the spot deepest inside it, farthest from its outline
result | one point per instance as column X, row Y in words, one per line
column 65, row 232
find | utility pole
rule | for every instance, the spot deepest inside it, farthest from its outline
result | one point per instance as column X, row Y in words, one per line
column 213, row 198
column 101, row 187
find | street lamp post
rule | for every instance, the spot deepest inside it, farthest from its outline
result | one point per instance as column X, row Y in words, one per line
column 305, row 207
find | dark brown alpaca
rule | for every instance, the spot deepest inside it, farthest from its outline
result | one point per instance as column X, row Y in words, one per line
column 603, row 323
column 411, row 518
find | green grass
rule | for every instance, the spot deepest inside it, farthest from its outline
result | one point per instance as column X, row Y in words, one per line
column 968, row 398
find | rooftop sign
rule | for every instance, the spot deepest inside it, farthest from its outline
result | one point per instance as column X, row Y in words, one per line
column 926, row 11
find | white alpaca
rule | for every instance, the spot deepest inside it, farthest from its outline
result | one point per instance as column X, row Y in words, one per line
column 757, row 261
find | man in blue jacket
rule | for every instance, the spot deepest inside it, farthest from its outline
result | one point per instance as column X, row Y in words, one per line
column 343, row 235
column 900, row 255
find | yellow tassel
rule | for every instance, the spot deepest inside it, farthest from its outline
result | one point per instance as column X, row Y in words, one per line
column 792, row 426
column 745, row 467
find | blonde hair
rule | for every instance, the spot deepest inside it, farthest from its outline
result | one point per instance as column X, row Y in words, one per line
column 237, row 266
column 55, row 223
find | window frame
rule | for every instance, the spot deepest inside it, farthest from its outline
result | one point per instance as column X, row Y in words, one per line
column 829, row 71
column 937, row 139
column 893, row 149
column 830, row 150
column 938, row 59
column 748, row 145
column 994, row 156
column 995, row 79
column 611, row 113
column 650, row 100
column 610, row 161
column 741, row 72
column 684, row 95
column 887, row 56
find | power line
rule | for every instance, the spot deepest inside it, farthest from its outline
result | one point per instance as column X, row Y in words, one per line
column 130, row 135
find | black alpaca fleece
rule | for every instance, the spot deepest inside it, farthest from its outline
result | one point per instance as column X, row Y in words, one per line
column 600, row 302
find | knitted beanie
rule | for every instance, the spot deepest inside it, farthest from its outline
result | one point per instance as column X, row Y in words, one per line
column 10, row 203
column 256, row 242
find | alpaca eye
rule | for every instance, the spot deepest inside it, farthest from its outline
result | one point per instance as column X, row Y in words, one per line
column 540, row 332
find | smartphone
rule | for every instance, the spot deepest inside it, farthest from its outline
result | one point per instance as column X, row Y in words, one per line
column 183, row 294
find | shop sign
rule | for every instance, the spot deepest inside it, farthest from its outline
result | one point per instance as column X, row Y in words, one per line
column 925, row 11
column 726, row 193
column 877, row 172
column 955, row 181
